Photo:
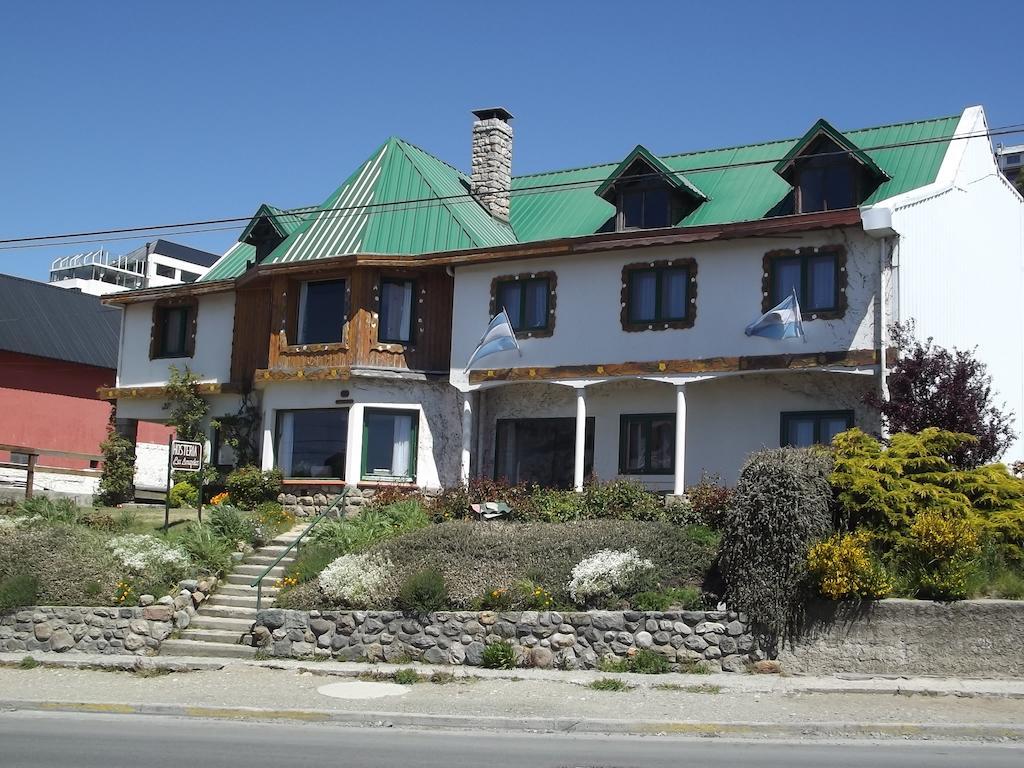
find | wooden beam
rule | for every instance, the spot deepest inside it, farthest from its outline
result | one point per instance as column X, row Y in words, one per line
column 853, row 358
column 144, row 393
column 49, row 452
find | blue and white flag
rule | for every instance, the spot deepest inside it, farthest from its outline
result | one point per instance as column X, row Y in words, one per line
column 499, row 338
column 780, row 322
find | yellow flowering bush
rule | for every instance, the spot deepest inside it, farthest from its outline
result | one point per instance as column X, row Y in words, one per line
column 125, row 593
column 843, row 568
column 939, row 554
column 286, row 582
column 221, row 498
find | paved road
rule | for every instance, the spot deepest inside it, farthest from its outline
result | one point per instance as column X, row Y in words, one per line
column 41, row 740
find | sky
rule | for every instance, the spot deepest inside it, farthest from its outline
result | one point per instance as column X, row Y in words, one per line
column 122, row 114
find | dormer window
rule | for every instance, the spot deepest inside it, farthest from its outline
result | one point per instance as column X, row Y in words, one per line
column 828, row 172
column 647, row 194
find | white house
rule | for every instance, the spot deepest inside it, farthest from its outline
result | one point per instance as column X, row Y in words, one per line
column 630, row 285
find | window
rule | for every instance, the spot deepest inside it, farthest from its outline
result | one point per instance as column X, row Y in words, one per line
column 322, row 312
column 188, row 277
column 19, row 458
column 803, row 428
column 647, row 444
column 817, row 274
column 222, row 452
column 529, row 299
column 541, row 451
column 165, row 271
column 389, row 445
column 645, row 207
column 659, row 295
column 174, row 329
column 312, row 443
column 396, row 311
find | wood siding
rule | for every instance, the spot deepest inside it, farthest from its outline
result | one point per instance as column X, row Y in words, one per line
column 429, row 349
column 251, row 336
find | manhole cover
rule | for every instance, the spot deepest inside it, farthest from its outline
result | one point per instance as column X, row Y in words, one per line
column 358, row 689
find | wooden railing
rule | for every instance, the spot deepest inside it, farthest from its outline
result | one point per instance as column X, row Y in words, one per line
column 33, row 463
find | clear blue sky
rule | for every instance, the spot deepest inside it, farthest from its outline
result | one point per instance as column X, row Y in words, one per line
column 126, row 113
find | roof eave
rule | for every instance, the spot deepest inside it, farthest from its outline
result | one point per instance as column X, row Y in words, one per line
column 170, row 291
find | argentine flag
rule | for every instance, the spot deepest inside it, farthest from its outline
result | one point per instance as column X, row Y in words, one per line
column 499, row 338
column 780, row 322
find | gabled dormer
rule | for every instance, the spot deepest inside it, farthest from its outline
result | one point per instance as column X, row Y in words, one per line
column 828, row 171
column 265, row 231
column 647, row 194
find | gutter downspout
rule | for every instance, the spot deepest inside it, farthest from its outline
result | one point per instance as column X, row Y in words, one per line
column 883, row 346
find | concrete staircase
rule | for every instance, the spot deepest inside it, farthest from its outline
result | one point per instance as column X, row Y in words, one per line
column 220, row 622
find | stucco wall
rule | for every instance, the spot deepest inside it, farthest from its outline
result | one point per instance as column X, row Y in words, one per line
column 211, row 361
column 727, row 418
column 437, row 458
column 588, row 325
column 973, row 638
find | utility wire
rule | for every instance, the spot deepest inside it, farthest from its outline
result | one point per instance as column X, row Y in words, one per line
column 70, row 238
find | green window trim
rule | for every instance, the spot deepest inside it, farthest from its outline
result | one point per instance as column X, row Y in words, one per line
column 364, row 474
column 381, row 338
column 647, row 420
column 787, row 417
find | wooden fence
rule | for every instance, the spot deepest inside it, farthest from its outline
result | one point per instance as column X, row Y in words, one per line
column 32, row 465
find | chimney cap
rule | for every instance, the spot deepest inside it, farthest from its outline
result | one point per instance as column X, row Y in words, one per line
column 493, row 112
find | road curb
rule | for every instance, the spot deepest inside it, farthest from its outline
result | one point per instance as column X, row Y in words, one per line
column 1002, row 732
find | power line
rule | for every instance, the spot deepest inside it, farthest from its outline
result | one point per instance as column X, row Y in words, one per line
column 41, row 241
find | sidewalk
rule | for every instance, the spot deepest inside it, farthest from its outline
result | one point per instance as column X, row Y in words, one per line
column 525, row 700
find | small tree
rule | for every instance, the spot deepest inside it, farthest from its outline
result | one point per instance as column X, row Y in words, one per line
column 931, row 386
column 117, row 482
column 188, row 408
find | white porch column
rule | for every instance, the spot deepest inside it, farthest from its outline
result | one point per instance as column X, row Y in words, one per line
column 267, row 447
column 680, row 457
column 467, row 435
column 581, row 438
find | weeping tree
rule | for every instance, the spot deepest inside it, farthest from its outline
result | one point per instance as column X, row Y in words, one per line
column 117, row 482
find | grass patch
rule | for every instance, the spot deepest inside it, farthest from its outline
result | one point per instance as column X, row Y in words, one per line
column 407, row 677
column 443, row 678
column 498, row 656
column 609, row 684
column 28, row 663
column 644, row 662
column 702, row 688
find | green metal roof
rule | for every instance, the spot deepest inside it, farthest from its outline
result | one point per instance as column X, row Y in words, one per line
column 234, row 261
column 402, row 200
column 640, row 152
column 825, row 128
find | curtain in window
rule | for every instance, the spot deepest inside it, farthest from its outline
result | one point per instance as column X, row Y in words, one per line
column 536, row 304
column 285, row 443
column 832, row 426
column 636, row 446
column 508, row 299
column 821, row 282
column 642, row 299
column 673, row 294
column 400, row 464
column 801, row 432
column 663, row 443
column 396, row 310
column 787, row 277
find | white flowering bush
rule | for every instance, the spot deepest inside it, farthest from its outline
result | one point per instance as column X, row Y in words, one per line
column 608, row 573
column 145, row 555
column 358, row 581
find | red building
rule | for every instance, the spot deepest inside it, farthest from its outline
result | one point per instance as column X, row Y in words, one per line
column 56, row 348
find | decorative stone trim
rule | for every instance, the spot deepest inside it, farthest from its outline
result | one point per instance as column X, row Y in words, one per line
column 552, row 278
column 578, row 640
column 691, row 309
column 785, row 253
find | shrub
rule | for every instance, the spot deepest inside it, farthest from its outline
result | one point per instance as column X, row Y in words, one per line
column 682, row 598
column 951, row 390
column 622, row 500
column 126, row 519
column 249, row 486
column 609, row 684
column 644, row 661
column 938, row 555
column 406, row 676
column 17, row 590
column 475, row 557
column 843, row 567
column 782, row 504
column 63, row 511
column 98, row 521
column 220, row 498
column 184, row 494
column 535, row 597
column 117, row 481
column 500, row 599
column 709, row 500
column 608, row 573
column 144, row 555
column 357, row 580
column 500, row 655
column 228, row 524
column 72, row 565
column 423, row 592
column 208, row 551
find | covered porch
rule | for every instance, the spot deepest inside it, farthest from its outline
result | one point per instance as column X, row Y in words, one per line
column 662, row 431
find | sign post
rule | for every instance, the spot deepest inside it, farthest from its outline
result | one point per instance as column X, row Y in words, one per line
column 186, row 456
column 167, row 491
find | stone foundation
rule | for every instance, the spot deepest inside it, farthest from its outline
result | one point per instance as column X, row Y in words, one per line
column 718, row 639
column 137, row 630
column 310, row 500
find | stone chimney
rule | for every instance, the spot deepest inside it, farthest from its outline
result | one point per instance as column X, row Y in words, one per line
column 491, row 180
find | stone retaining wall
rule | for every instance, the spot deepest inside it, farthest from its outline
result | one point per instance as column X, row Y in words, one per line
column 135, row 630
column 972, row 638
column 719, row 639
column 311, row 499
